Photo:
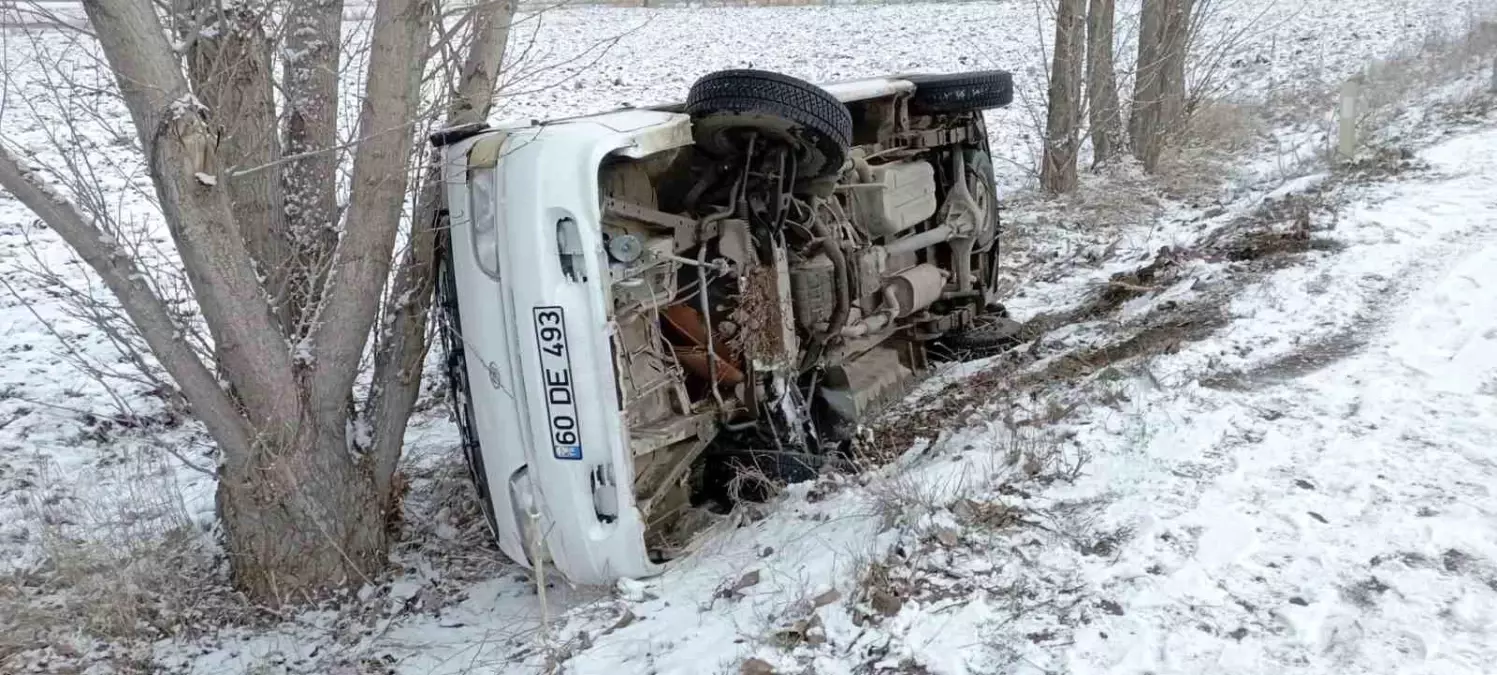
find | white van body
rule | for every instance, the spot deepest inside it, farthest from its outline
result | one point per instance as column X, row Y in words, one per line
column 547, row 419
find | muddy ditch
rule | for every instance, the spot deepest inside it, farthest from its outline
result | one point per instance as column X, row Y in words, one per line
column 1277, row 234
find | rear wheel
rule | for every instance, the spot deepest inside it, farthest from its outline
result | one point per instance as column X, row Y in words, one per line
column 726, row 104
column 982, row 185
column 989, row 334
column 962, row 92
column 992, row 331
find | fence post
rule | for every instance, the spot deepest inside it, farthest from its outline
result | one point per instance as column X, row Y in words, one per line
column 1346, row 127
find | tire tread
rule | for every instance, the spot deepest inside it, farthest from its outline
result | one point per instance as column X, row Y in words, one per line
column 962, row 92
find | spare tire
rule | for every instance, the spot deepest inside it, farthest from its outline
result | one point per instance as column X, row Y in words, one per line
column 962, row 92
column 776, row 106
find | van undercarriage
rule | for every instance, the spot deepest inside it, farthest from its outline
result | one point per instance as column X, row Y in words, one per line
column 769, row 282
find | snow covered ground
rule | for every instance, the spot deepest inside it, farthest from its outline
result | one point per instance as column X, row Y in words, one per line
column 1328, row 508
column 1307, row 490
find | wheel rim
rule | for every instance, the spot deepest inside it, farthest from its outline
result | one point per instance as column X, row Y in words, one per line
column 458, row 389
column 982, row 193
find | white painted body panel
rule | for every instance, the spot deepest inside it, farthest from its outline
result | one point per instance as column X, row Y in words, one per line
column 545, row 174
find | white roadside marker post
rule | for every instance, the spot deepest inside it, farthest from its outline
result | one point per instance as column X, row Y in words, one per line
column 1346, row 128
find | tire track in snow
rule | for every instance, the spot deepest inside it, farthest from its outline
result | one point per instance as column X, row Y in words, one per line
column 1342, row 520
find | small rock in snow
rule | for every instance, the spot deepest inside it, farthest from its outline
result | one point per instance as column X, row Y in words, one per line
column 746, row 581
column 756, row 667
column 826, row 598
column 1455, row 561
column 1304, row 484
column 886, row 603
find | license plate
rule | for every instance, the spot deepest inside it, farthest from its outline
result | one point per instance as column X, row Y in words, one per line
column 556, row 381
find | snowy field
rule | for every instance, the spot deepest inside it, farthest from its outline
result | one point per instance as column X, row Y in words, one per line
column 1308, row 490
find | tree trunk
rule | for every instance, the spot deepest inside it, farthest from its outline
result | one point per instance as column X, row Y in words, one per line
column 298, row 519
column 1058, row 174
column 310, row 80
column 1143, row 119
column 1174, row 46
column 397, row 367
column 230, row 70
column 1101, row 82
column 1159, row 87
column 302, row 509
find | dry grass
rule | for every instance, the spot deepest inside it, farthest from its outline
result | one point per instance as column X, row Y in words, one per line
column 964, row 542
column 114, row 574
column 1204, row 155
column 1441, row 57
column 1219, row 131
column 1110, row 196
column 1447, row 70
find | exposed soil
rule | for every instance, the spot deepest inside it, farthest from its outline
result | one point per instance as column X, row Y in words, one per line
column 1311, row 357
column 1277, row 234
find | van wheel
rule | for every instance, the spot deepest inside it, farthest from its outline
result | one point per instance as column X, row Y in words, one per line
column 962, row 92
column 727, row 103
column 983, row 186
column 755, row 475
column 449, row 327
column 990, row 334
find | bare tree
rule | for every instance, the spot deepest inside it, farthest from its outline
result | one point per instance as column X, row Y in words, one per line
column 1143, row 125
column 288, row 282
column 1159, row 86
column 1174, row 47
column 1101, row 82
column 1062, row 128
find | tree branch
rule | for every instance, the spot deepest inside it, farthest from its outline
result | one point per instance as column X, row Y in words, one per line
column 119, row 272
column 310, row 130
column 378, row 190
column 397, row 365
column 184, row 167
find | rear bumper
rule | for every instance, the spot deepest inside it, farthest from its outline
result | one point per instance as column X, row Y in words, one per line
column 533, row 286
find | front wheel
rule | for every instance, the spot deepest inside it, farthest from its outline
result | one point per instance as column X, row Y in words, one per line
column 449, row 327
column 983, row 185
